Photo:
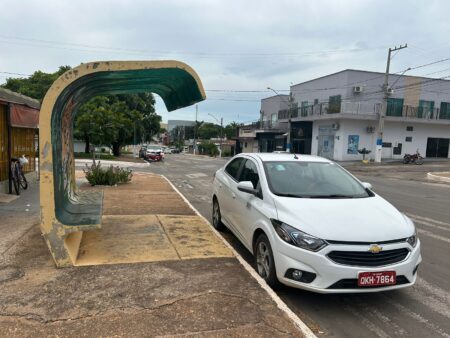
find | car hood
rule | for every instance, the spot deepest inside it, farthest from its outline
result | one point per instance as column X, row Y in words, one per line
column 371, row 219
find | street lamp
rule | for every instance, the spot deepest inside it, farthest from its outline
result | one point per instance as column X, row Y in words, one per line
column 221, row 131
column 288, row 138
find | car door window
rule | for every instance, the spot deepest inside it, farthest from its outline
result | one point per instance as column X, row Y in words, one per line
column 250, row 173
column 233, row 168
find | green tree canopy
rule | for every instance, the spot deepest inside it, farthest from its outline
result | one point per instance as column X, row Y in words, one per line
column 114, row 120
column 36, row 85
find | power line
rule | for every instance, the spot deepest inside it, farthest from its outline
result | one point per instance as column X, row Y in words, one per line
column 93, row 48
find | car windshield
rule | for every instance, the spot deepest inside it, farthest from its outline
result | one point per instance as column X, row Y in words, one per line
column 312, row 180
column 153, row 148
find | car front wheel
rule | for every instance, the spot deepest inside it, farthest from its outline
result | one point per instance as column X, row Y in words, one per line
column 265, row 264
column 216, row 216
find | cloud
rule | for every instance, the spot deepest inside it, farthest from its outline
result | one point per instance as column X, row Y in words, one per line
column 240, row 45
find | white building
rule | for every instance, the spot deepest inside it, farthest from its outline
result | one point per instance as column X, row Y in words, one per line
column 336, row 115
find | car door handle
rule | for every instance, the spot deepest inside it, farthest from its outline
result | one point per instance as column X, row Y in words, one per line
column 233, row 195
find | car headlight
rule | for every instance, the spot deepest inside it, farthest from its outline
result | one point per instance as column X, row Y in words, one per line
column 298, row 238
column 412, row 240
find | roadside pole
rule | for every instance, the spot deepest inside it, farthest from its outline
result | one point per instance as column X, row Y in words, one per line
column 221, row 136
column 195, row 129
column 288, row 138
column 382, row 114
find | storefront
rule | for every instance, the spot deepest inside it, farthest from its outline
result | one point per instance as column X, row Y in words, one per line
column 19, row 118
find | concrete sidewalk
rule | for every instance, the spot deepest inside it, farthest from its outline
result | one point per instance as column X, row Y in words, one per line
column 184, row 296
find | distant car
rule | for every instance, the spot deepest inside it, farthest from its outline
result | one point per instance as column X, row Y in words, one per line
column 154, row 153
column 142, row 151
column 312, row 225
column 174, row 150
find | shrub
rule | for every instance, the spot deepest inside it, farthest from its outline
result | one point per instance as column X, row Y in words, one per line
column 208, row 148
column 96, row 175
column 226, row 153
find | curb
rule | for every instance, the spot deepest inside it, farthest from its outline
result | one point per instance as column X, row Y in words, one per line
column 436, row 177
column 304, row 329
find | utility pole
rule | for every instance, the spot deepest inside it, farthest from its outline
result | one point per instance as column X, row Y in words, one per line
column 195, row 128
column 382, row 115
column 288, row 138
column 291, row 100
column 221, row 135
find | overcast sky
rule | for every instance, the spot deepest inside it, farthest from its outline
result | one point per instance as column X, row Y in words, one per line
column 233, row 45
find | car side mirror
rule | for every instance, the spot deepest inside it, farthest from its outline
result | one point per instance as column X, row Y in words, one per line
column 247, row 186
column 367, row 185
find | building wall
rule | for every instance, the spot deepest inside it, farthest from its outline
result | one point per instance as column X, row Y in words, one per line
column 320, row 89
column 250, row 146
column 394, row 133
column 272, row 105
column 410, row 88
column 171, row 124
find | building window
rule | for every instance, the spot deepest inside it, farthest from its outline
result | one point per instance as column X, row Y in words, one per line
column 425, row 108
column 409, row 128
column 274, row 119
column 304, row 108
column 334, row 104
column 316, row 101
column 394, row 107
column 408, row 139
column 444, row 113
column 387, row 145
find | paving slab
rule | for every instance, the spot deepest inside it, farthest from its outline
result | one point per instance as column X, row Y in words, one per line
column 211, row 296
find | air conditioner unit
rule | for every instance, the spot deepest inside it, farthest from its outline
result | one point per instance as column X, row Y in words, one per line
column 357, row 89
column 389, row 91
column 370, row 129
column 335, row 126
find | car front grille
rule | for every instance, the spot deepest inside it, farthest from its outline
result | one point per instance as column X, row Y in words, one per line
column 352, row 283
column 366, row 258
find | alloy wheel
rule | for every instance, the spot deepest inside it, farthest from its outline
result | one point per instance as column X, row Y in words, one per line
column 263, row 260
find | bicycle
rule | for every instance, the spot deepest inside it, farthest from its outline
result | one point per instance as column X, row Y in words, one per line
column 18, row 177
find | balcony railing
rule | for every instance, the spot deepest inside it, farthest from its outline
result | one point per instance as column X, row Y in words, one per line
column 250, row 129
column 365, row 108
column 407, row 111
column 325, row 109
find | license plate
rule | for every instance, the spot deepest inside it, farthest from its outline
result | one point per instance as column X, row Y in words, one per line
column 376, row 278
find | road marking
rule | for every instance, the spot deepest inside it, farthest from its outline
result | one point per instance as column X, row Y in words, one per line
column 416, row 316
column 429, row 299
column 196, row 175
column 434, row 290
column 371, row 326
column 307, row 333
column 430, row 234
column 427, row 219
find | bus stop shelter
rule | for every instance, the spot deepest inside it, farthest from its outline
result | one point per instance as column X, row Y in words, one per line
column 65, row 211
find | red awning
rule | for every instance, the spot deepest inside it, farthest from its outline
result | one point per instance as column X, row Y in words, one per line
column 24, row 117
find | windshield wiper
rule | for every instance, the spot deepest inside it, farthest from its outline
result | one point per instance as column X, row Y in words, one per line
column 332, row 196
column 292, row 195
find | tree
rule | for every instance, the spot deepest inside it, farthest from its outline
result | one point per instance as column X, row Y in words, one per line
column 208, row 130
column 113, row 120
column 231, row 129
column 36, row 85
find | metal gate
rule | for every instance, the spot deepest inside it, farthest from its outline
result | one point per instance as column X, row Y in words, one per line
column 3, row 144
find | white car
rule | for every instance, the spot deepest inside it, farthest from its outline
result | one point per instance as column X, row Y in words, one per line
column 312, row 225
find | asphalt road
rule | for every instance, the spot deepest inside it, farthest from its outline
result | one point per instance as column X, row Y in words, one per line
column 419, row 311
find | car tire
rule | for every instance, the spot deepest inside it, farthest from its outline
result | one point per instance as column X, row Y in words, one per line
column 265, row 264
column 216, row 216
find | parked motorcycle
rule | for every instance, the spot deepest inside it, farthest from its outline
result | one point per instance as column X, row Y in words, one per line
column 413, row 158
